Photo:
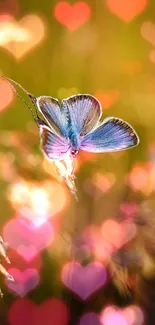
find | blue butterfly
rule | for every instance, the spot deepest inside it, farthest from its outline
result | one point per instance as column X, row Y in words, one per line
column 75, row 124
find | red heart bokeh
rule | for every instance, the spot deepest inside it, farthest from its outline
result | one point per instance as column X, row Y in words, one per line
column 51, row 312
column 9, row 7
column 72, row 15
column 126, row 9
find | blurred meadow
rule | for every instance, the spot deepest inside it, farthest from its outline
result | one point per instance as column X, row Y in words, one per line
column 91, row 262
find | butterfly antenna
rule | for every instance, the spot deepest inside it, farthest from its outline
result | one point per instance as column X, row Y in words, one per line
column 33, row 99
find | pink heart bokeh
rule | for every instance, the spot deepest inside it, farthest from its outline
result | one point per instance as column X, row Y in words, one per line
column 84, row 280
column 24, row 281
column 131, row 315
column 27, row 239
column 20, row 261
column 129, row 208
column 109, row 238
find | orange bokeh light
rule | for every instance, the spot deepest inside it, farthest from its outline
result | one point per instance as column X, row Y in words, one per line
column 7, row 95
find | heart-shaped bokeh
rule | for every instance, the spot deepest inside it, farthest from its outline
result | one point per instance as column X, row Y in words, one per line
column 126, row 9
column 84, row 280
column 23, row 262
column 103, row 241
column 107, row 98
column 21, row 37
column 7, row 95
column 72, row 16
column 38, row 201
column 51, row 312
column 27, row 239
column 24, row 281
column 148, row 32
column 129, row 209
column 141, row 177
column 131, row 315
column 117, row 233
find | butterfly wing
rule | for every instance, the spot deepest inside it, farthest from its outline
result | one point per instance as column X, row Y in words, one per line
column 113, row 134
column 53, row 146
column 84, row 111
column 50, row 109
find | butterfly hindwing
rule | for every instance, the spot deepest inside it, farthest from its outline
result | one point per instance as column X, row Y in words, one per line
column 113, row 134
column 53, row 145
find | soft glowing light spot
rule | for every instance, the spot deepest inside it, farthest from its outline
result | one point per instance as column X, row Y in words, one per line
column 51, row 311
column 142, row 178
column 118, row 233
column 130, row 209
column 148, row 32
column 126, row 9
column 83, row 158
column 152, row 56
column 5, row 17
column 7, row 95
column 138, row 178
column 36, row 201
column 21, row 37
column 84, row 280
column 103, row 249
column 10, row 32
column 104, row 182
column 122, row 316
column 24, row 281
column 107, row 98
column 72, row 15
column 112, row 232
column 114, row 318
column 27, row 239
column 9, row 8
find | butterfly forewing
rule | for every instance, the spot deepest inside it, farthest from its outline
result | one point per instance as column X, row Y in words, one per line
column 84, row 113
column 50, row 109
column 113, row 134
